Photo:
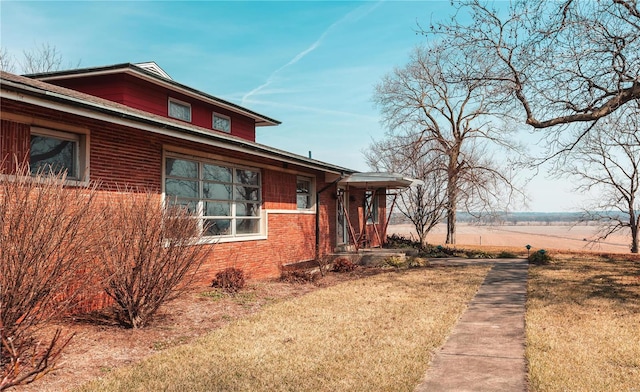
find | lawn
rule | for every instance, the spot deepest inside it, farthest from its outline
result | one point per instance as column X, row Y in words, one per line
column 376, row 333
column 583, row 325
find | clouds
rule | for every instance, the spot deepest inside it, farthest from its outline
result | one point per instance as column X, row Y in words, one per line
column 351, row 17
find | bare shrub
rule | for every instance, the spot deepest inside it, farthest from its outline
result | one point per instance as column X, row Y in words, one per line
column 230, row 280
column 343, row 265
column 148, row 254
column 46, row 235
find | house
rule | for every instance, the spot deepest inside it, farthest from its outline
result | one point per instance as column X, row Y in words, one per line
column 262, row 208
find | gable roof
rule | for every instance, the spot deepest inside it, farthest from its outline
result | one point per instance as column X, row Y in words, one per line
column 152, row 73
column 39, row 93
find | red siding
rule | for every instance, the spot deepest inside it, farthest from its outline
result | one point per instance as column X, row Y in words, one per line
column 14, row 145
column 137, row 93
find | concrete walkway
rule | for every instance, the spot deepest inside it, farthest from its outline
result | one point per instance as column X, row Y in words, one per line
column 485, row 351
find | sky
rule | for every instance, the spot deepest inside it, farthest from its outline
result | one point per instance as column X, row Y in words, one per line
column 313, row 65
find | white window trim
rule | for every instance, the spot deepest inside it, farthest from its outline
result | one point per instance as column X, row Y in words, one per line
column 261, row 235
column 312, row 193
column 82, row 152
column 213, row 122
column 182, row 103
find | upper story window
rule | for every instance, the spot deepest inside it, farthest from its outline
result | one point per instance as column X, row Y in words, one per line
column 180, row 110
column 221, row 123
column 304, row 193
column 55, row 152
column 226, row 198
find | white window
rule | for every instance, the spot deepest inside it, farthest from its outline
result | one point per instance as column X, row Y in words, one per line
column 226, row 198
column 180, row 110
column 221, row 123
column 304, row 193
column 56, row 152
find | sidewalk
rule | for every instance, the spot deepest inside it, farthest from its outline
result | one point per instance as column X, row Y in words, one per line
column 485, row 351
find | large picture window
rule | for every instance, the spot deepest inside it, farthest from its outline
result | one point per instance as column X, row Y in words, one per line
column 226, row 198
column 55, row 152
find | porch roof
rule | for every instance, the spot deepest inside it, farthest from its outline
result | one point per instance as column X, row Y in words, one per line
column 378, row 180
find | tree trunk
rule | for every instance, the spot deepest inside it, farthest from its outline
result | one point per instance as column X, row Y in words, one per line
column 634, row 231
column 452, row 196
column 451, row 225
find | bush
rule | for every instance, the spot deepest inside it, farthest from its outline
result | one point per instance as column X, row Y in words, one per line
column 417, row 262
column 396, row 241
column 230, row 280
column 343, row 265
column 46, row 232
column 148, row 254
column 507, row 255
column 540, row 257
column 395, row 261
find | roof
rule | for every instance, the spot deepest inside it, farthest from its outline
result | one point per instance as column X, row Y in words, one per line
column 152, row 73
column 37, row 92
column 378, row 180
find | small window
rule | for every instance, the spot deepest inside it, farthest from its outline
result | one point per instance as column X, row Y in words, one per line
column 304, row 193
column 55, row 152
column 221, row 123
column 180, row 110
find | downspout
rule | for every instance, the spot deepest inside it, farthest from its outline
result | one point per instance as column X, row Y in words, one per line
column 317, row 250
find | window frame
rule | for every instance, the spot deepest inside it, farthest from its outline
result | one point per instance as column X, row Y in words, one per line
column 234, row 200
column 311, row 195
column 80, row 153
column 221, row 116
column 179, row 103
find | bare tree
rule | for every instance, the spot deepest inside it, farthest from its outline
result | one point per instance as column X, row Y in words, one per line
column 46, row 233
column 43, row 58
column 424, row 203
column 148, row 255
column 451, row 118
column 7, row 63
column 608, row 160
column 559, row 62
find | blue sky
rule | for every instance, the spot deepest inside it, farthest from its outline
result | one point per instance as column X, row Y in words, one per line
column 311, row 64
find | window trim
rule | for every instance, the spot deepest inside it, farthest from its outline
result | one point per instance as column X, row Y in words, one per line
column 213, row 239
column 180, row 103
column 81, row 158
column 312, row 193
column 222, row 116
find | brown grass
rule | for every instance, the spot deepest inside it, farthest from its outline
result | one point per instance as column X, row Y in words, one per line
column 583, row 325
column 376, row 333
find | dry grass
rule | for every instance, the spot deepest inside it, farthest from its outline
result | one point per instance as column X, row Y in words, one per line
column 377, row 333
column 583, row 325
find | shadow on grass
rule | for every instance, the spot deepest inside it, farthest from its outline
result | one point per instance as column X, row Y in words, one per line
column 581, row 280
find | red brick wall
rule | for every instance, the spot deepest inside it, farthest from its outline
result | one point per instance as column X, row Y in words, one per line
column 127, row 156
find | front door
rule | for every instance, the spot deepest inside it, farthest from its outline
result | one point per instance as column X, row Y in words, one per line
column 342, row 227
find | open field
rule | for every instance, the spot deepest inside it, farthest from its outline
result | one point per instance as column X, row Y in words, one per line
column 561, row 237
column 583, row 325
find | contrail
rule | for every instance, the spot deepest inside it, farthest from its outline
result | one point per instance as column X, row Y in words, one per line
column 351, row 16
